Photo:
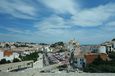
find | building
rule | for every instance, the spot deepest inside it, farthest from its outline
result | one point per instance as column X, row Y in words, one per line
column 1, row 54
column 90, row 57
column 8, row 55
column 108, row 46
column 77, row 59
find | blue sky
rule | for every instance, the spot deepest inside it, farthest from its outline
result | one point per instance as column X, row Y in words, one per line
column 88, row 21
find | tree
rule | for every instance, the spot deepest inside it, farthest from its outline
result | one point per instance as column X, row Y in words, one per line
column 57, row 44
column 16, row 60
column 112, row 55
column 3, row 61
column 7, row 45
column 113, row 39
column 32, row 56
column 8, row 61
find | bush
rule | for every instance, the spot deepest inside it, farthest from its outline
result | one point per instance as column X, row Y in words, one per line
column 3, row 61
column 57, row 44
column 32, row 56
column 16, row 60
column 112, row 55
column 100, row 66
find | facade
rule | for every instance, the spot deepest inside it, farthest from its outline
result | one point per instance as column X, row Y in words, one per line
column 102, row 49
column 1, row 54
column 107, row 46
column 77, row 59
column 90, row 57
column 8, row 55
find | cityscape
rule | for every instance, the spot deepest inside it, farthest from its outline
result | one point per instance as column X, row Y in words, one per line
column 57, row 37
column 58, row 57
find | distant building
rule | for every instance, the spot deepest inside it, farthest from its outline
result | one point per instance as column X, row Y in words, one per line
column 107, row 47
column 102, row 49
column 1, row 54
column 8, row 55
column 77, row 59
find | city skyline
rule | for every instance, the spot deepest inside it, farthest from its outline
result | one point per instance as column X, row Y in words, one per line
column 88, row 21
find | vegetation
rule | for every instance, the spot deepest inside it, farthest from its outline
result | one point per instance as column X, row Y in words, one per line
column 112, row 55
column 32, row 56
column 4, row 61
column 57, row 44
column 100, row 66
column 16, row 60
column 43, row 44
column 7, row 46
column 113, row 39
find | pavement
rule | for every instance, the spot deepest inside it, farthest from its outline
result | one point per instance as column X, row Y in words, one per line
column 53, row 74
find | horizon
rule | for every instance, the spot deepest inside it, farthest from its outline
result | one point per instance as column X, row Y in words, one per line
column 50, row 21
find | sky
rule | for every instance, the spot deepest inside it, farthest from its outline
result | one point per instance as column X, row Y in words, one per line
column 48, row 21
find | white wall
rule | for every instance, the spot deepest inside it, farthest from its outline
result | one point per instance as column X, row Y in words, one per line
column 102, row 49
column 1, row 55
column 14, row 55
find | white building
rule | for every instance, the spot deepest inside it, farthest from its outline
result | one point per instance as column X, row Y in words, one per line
column 1, row 54
column 102, row 49
column 77, row 58
column 10, row 58
column 48, row 49
column 107, row 46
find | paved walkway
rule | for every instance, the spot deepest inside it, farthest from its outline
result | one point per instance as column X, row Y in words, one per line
column 53, row 74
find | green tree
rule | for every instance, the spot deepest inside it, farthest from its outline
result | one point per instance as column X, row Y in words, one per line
column 3, row 61
column 32, row 56
column 16, row 60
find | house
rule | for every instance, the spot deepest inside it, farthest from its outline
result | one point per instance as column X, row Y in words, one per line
column 1, row 54
column 77, row 59
column 90, row 57
column 8, row 55
column 107, row 46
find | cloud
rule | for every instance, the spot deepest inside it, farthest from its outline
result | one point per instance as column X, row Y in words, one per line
column 16, row 30
column 18, row 9
column 109, row 27
column 87, row 25
column 52, row 24
column 94, row 16
column 85, row 17
column 62, row 6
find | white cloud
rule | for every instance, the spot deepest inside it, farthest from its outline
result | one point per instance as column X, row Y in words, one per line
column 56, row 25
column 112, row 24
column 53, row 24
column 17, row 8
column 82, row 17
column 109, row 27
column 95, row 16
column 16, row 30
column 62, row 6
